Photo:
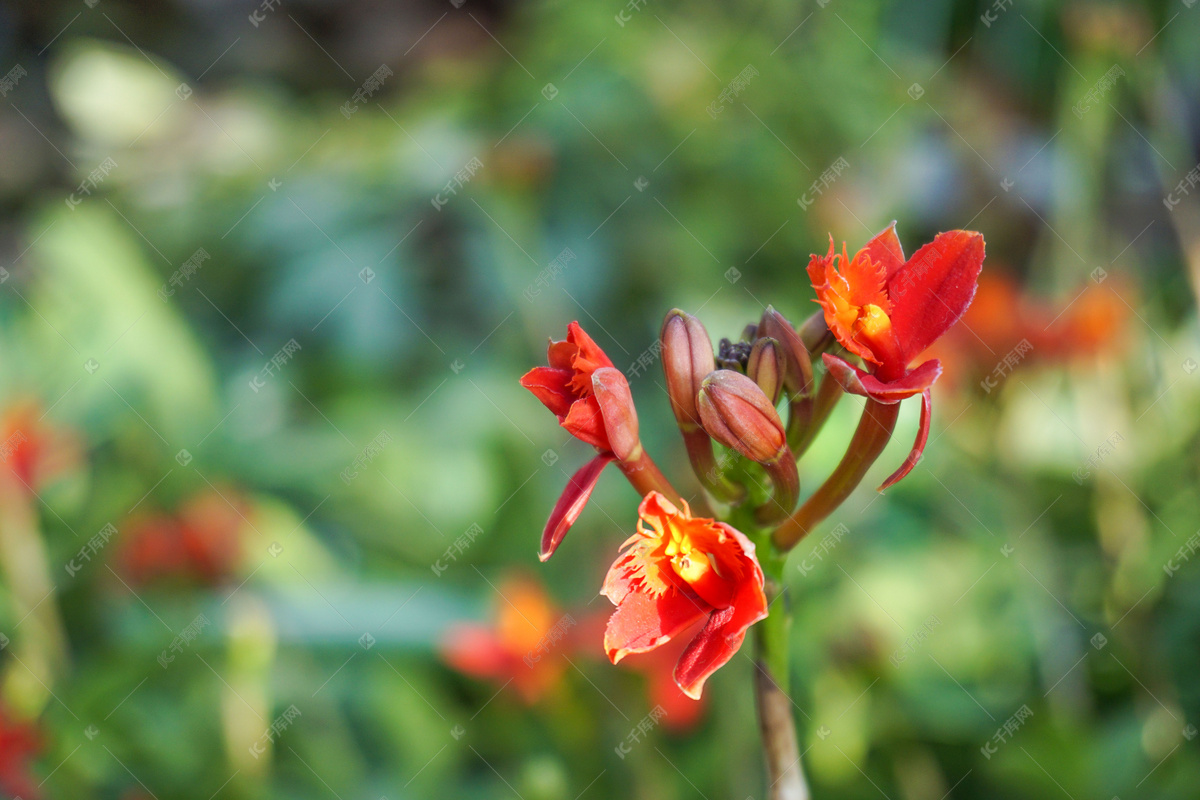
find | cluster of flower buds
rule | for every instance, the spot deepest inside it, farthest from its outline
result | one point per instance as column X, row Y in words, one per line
column 877, row 308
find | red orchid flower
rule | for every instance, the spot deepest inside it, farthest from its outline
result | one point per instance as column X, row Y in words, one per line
column 676, row 571
column 591, row 399
column 20, row 743
column 887, row 311
column 512, row 648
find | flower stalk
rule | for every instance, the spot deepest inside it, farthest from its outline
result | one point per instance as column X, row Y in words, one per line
column 879, row 312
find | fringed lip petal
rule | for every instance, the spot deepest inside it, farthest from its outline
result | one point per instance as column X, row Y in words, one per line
column 914, row 456
column 571, row 503
column 856, row 381
column 933, row 289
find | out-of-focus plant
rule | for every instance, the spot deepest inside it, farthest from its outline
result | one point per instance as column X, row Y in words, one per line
column 724, row 570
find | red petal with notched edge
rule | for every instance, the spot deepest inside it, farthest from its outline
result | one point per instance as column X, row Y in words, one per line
column 933, row 289
column 550, row 386
column 725, row 630
column 918, row 445
column 643, row 621
column 855, row 381
column 585, row 423
column 885, row 248
column 570, row 504
column 590, row 356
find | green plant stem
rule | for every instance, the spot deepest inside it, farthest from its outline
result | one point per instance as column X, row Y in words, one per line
column 704, row 464
column 872, row 435
column 781, row 749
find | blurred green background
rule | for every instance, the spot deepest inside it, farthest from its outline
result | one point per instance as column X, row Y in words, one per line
column 259, row 351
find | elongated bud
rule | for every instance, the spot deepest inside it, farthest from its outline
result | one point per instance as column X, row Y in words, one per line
column 767, row 367
column 736, row 412
column 814, row 333
column 687, row 356
column 799, row 376
column 617, row 411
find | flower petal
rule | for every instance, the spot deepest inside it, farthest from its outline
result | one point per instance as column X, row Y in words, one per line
column 570, row 504
column 725, row 630
column 590, row 357
column 885, row 248
column 585, row 422
column 856, row 381
column 643, row 621
column 918, row 446
column 550, row 386
column 617, row 411
column 933, row 289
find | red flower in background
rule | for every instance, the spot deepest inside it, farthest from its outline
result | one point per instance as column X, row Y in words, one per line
column 658, row 667
column 201, row 541
column 20, row 743
column 515, row 647
column 33, row 450
column 1004, row 315
column 888, row 310
column 591, row 399
column 676, row 571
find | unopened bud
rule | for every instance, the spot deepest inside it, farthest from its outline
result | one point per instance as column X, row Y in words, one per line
column 767, row 367
column 617, row 411
column 799, row 372
column 687, row 357
column 736, row 412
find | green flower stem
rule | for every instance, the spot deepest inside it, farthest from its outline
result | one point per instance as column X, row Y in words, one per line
column 872, row 435
column 704, row 464
column 781, row 749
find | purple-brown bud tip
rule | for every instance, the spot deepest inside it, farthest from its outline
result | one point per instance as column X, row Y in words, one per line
column 617, row 411
column 736, row 412
column 798, row 375
column 687, row 356
column 767, row 367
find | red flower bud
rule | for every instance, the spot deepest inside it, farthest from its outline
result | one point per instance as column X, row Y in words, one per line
column 767, row 367
column 799, row 375
column 687, row 357
column 736, row 412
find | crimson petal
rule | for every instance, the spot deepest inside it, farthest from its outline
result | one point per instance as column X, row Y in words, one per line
column 918, row 446
column 570, row 504
column 933, row 289
column 885, row 248
column 585, row 422
column 550, row 385
column 722, row 635
column 642, row 621
column 856, row 381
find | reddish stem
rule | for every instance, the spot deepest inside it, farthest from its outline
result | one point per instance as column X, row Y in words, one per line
column 872, row 435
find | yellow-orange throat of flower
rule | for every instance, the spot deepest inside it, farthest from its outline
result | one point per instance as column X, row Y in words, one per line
column 678, row 551
column 853, row 294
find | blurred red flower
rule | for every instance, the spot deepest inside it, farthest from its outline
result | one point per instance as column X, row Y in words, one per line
column 517, row 646
column 33, row 450
column 1003, row 316
column 201, row 541
column 20, row 744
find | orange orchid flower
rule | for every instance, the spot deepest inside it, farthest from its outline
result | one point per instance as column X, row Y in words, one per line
column 888, row 310
column 676, row 571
